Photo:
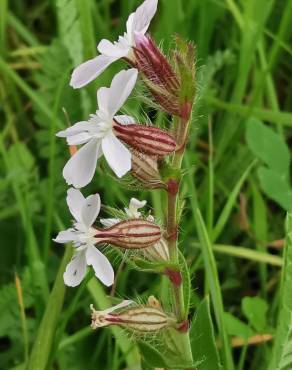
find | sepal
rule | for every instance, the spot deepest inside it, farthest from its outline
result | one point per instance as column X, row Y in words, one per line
column 130, row 234
column 146, row 139
column 149, row 318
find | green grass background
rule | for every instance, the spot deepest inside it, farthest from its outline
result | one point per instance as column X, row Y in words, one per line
column 244, row 68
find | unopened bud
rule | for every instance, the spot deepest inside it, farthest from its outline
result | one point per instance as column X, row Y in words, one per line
column 173, row 88
column 144, row 319
column 130, row 234
column 146, row 139
column 145, row 169
column 159, row 75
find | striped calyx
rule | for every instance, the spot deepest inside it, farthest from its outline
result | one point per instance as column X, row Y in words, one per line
column 130, row 234
column 144, row 319
column 159, row 252
column 145, row 169
column 146, row 139
column 159, row 75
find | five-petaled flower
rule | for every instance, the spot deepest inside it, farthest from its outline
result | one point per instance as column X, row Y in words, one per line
column 137, row 23
column 85, row 212
column 98, row 135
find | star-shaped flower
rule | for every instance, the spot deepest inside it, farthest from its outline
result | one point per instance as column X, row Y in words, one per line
column 98, row 136
column 137, row 23
column 82, row 235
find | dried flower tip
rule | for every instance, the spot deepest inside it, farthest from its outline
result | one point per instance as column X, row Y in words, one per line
column 131, row 234
column 154, row 302
column 141, row 319
column 72, row 149
column 145, row 169
column 146, row 139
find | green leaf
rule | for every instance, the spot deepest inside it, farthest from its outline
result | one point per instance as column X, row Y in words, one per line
column 171, row 351
column 255, row 309
column 282, row 351
column 151, row 356
column 268, row 146
column 276, row 187
column 237, row 327
column 45, row 336
column 203, row 342
column 225, row 214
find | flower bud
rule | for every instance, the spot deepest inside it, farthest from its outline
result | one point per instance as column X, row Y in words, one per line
column 173, row 88
column 144, row 319
column 159, row 74
column 146, row 139
column 145, row 169
column 130, row 234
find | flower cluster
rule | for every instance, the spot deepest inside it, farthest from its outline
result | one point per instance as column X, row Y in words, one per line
column 129, row 147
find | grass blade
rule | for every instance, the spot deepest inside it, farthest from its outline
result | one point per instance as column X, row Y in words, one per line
column 282, row 351
column 224, row 216
column 41, row 349
column 211, row 271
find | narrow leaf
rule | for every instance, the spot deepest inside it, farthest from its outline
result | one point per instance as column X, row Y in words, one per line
column 282, row 351
column 203, row 342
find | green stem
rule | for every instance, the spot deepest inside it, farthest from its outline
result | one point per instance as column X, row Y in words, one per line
column 181, row 133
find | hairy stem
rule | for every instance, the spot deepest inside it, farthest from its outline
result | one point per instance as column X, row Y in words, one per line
column 181, row 134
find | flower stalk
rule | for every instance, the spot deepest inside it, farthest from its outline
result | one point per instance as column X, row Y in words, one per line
column 154, row 157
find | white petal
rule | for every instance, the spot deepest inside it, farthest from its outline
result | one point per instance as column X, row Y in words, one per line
column 65, row 236
column 75, row 270
column 89, row 70
column 90, row 209
column 120, row 89
column 123, row 304
column 109, row 222
column 124, row 119
column 136, row 204
column 75, row 201
column 79, row 139
column 143, row 16
column 75, row 129
column 129, row 24
column 117, row 155
column 80, row 168
column 103, row 97
column 101, row 265
column 114, row 50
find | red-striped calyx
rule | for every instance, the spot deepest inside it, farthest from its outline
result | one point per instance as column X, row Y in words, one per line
column 146, row 139
column 171, row 84
column 130, row 234
column 144, row 319
column 145, row 169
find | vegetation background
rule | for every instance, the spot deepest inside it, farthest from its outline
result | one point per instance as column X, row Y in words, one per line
column 238, row 163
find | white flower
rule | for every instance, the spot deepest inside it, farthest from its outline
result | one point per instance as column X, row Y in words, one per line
column 131, row 212
column 137, row 23
column 98, row 136
column 84, row 211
